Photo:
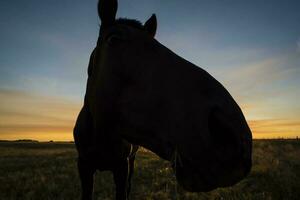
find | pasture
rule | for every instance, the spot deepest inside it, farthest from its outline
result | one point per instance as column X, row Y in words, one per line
column 38, row 170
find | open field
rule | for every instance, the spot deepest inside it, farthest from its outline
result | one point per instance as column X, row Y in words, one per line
column 48, row 171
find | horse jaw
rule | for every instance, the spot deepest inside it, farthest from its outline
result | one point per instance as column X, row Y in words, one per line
column 223, row 161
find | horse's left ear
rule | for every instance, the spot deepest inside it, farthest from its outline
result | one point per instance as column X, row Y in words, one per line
column 107, row 10
column 151, row 25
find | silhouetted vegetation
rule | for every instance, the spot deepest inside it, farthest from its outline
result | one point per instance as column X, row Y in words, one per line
column 22, row 140
column 30, row 170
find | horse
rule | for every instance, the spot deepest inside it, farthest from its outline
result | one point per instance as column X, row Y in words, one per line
column 140, row 92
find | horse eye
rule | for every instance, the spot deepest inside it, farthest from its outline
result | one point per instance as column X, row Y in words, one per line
column 114, row 39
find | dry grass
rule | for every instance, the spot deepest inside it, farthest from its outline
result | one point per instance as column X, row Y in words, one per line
column 48, row 171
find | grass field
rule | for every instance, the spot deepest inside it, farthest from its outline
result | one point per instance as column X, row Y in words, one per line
column 41, row 171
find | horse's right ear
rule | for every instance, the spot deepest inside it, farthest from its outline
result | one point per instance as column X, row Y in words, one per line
column 107, row 10
column 151, row 25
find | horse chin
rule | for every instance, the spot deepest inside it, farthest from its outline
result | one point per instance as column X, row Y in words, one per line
column 195, row 177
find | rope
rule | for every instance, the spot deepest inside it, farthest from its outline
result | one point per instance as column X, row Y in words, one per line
column 131, row 150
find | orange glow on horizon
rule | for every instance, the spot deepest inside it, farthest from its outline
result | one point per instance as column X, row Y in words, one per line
column 25, row 116
column 260, row 129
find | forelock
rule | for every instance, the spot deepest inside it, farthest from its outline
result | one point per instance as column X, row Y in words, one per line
column 130, row 22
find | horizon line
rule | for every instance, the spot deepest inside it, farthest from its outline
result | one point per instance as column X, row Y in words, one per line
column 72, row 141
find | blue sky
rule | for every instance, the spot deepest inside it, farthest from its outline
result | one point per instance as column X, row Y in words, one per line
column 252, row 47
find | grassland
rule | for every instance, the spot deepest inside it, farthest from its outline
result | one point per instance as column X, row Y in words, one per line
column 31, row 170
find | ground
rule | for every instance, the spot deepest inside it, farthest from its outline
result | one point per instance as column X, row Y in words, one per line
column 35, row 170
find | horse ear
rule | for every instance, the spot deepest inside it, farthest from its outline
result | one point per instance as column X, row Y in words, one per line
column 107, row 10
column 151, row 25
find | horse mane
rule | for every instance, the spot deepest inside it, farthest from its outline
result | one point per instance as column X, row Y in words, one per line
column 130, row 22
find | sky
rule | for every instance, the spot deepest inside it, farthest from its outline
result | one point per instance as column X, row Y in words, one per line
column 251, row 47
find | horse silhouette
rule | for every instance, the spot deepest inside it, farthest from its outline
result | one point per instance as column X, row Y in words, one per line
column 140, row 92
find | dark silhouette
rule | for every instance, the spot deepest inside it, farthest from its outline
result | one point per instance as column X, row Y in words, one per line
column 140, row 92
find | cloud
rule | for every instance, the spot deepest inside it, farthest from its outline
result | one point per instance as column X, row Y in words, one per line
column 266, row 88
column 298, row 45
column 251, row 75
column 24, row 115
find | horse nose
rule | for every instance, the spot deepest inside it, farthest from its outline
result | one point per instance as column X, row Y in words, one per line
column 230, row 138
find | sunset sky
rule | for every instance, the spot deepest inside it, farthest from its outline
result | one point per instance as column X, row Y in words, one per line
column 252, row 47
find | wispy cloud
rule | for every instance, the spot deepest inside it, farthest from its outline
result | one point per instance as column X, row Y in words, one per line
column 255, row 75
column 266, row 88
